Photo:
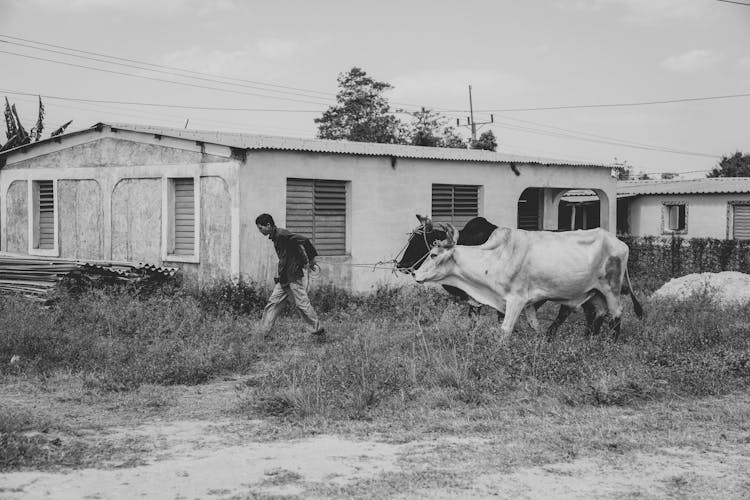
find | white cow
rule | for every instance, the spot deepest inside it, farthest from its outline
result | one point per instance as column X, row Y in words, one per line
column 516, row 270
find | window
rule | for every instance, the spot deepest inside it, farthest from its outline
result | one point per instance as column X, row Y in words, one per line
column 675, row 218
column 317, row 209
column 454, row 204
column 740, row 212
column 43, row 220
column 44, row 198
column 183, row 220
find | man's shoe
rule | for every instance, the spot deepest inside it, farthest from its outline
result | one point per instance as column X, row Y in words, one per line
column 319, row 333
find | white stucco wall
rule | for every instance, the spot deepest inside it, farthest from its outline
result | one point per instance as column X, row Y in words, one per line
column 122, row 207
column 383, row 201
column 707, row 214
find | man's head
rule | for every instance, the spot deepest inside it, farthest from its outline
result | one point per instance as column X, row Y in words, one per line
column 265, row 224
column 439, row 262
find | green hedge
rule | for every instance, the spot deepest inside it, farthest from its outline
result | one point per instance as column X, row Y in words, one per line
column 657, row 259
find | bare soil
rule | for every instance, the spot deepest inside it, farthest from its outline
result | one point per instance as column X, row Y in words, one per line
column 193, row 442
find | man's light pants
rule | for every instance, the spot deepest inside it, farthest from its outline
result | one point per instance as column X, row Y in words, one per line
column 296, row 292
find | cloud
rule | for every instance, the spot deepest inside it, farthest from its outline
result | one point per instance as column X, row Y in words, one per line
column 274, row 48
column 444, row 86
column 744, row 63
column 640, row 11
column 695, row 60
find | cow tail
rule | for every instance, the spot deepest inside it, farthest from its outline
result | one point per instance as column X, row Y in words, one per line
column 636, row 305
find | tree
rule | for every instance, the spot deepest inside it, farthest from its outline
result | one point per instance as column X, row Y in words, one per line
column 737, row 165
column 486, row 141
column 362, row 113
column 430, row 129
column 17, row 135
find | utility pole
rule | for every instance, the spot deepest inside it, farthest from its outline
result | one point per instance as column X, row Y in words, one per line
column 470, row 119
column 471, row 114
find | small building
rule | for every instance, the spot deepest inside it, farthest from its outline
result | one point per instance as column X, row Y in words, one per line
column 691, row 208
column 188, row 198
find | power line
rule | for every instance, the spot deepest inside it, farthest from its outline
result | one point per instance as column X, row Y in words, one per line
column 608, row 142
column 161, row 105
column 212, row 79
column 162, row 66
column 172, row 73
column 97, row 110
column 621, row 142
column 327, row 100
column 738, row 3
column 611, row 105
column 187, row 84
column 563, row 134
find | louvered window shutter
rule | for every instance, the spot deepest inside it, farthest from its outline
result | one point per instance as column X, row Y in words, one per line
column 454, row 204
column 46, row 210
column 184, row 216
column 741, row 230
column 317, row 209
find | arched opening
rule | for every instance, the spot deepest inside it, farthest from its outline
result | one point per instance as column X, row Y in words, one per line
column 531, row 209
column 563, row 209
column 580, row 209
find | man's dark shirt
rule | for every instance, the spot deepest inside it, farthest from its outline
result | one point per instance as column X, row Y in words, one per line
column 294, row 252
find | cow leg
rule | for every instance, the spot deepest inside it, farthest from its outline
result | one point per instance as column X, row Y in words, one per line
column 562, row 315
column 530, row 312
column 589, row 312
column 513, row 308
column 474, row 312
column 614, row 273
column 595, row 310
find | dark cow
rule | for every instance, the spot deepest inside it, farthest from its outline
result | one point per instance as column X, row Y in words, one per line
column 476, row 232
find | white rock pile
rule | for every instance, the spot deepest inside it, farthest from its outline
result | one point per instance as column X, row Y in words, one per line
column 725, row 289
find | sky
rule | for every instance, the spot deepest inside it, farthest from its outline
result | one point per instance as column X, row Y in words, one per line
column 270, row 67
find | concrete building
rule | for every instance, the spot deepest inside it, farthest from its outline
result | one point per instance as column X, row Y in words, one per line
column 691, row 208
column 119, row 192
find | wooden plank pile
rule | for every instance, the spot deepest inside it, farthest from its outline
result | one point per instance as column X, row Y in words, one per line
column 36, row 276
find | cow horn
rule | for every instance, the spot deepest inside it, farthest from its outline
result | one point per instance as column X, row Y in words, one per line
column 426, row 222
column 451, row 235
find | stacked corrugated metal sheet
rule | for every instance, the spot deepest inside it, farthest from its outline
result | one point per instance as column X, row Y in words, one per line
column 36, row 276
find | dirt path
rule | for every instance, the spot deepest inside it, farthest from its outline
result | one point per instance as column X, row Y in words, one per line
column 193, row 460
column 187, row 442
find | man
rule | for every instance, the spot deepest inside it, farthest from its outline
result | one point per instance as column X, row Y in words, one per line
column 295, row 253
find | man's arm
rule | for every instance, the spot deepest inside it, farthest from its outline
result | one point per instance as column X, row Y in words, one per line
column 299, row 242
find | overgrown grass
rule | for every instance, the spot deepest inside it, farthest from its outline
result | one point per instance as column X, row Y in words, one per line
column 121, row 339
column 392, row 350
column 425, row 353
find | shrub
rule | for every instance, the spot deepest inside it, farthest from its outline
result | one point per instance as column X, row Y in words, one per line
column 123, row 340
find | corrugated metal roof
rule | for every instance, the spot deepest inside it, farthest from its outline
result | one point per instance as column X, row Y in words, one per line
column 267, row 142
column 685, row 186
